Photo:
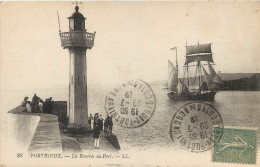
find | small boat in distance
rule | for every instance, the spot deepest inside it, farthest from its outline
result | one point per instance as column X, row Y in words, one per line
column 194, row 85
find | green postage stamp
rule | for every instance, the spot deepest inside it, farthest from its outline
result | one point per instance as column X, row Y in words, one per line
column 237, row 145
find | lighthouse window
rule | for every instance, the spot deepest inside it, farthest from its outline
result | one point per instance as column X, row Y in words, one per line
column 77, row 25
column 83, row 25
column 72, row 79
column 71, row 22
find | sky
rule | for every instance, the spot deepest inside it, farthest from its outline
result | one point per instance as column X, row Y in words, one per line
column 133, row 39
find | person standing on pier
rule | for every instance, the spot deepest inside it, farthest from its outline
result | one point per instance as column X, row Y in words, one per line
column 106, row 125
column 95, row 122
column 110, row 126
column 95, row 135
column 90, row 118
column 28, row 107
column 24, row 102
column 51, row 105
column 35, row 98
column 45, row 106
column 100, row 123
column 41, row 106
column 34, row 103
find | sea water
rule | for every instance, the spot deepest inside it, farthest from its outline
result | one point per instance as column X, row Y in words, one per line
column 237, row 108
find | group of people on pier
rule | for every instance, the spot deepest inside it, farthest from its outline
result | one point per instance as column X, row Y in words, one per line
column 37, row 105
column 99, row 124
column 97, row 120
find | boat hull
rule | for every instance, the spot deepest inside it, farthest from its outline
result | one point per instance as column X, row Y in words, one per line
column 208, row 96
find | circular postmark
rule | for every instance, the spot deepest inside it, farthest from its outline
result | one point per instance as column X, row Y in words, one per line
column 196, row 126
column 131, row 104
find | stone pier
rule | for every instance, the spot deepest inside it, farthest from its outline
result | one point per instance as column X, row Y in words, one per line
column 40, row 132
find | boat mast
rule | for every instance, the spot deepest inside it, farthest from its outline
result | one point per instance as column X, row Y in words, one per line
column 199, row 71
column 188, row 71
column 177, row 62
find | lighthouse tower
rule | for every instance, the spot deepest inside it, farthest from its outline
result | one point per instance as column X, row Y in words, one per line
column 77, row 41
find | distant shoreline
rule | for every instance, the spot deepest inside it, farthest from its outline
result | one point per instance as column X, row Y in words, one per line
column 232, row 82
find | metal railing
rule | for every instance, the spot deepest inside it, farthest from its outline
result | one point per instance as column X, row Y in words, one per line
column 77, row 38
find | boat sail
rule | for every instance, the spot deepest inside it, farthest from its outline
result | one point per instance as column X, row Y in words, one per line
column 182, row 88
column 213, row 80
column 173, row 77
column 194, row 85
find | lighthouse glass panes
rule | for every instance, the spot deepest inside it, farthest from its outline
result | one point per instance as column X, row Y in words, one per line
column 71, row 22
column 77, row 23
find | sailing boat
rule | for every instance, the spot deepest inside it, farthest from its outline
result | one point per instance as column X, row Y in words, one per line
column 194, row 85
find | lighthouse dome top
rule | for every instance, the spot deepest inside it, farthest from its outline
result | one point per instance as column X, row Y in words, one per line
column 77, row 14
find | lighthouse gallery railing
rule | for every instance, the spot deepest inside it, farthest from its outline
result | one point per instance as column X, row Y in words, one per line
column 77, row 38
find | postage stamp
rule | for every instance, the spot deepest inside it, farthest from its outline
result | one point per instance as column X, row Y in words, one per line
column 192, row 127
column 131, row 104
column 237, row 145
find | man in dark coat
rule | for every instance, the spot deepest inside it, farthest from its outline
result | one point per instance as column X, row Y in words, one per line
column 35, row 98
column 106, row 124
column 100, row 123
column 51, row 105
column 110, row 126
column 45, row 106
column 95, row 135
column 95, row 122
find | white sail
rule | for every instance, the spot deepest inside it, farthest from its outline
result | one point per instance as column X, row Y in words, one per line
column 207, row 76
column 170, row 69
column 214, row 76
column 212, row 79
column 173, row 77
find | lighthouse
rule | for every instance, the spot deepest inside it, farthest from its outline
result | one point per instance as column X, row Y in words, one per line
column 77, row 41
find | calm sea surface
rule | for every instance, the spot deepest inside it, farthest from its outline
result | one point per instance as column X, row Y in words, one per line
column 237, row 108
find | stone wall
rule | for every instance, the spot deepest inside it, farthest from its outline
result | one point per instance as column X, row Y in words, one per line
column 34, row 131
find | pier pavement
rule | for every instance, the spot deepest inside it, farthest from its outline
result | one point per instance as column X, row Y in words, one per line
column 85, row 143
